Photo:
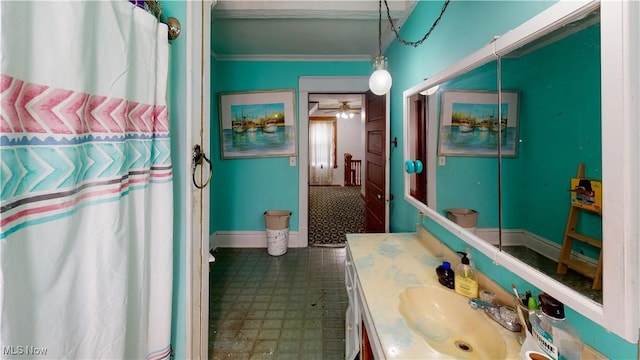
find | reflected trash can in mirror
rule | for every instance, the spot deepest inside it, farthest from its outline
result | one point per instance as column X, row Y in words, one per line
column 467, row 218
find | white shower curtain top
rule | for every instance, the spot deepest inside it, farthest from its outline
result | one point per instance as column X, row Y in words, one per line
column 86, row 199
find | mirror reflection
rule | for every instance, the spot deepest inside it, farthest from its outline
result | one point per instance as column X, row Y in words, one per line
column 460, row 123
column 559, row 129
column 418, row 136
column 548, row 124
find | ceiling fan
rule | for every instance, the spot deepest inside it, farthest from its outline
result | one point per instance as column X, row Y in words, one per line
column 344, row 111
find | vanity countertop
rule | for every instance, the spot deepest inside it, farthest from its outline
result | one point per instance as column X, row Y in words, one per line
column 388, row 263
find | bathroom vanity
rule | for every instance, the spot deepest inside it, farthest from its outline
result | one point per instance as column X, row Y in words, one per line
column 380, row 268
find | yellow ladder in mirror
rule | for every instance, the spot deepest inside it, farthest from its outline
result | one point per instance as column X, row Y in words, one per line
column 582, row 200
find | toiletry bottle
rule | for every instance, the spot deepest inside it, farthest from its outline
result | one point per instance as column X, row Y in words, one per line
column 466, row 283
column 552, row 332
column 445, row 274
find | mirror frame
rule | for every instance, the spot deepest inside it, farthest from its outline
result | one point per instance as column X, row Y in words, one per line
column 619, row 312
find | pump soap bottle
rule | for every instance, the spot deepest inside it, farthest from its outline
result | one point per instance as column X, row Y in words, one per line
column 466, row 283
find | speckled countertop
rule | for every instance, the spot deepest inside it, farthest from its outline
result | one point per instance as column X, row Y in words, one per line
column 387, row 264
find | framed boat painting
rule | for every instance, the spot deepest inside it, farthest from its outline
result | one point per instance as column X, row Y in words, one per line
column 257, row 124
column 472, row 125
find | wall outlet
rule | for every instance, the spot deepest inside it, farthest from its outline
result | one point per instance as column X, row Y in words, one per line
column 292, row 161
column 442, row 161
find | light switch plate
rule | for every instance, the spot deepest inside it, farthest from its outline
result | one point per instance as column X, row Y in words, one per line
column 292, row 161
column 441, row 161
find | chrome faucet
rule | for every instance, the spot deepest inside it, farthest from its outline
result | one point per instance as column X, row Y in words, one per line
column 504, row 315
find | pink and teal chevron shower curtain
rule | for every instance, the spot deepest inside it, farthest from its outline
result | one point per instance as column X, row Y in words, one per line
column 86, row 199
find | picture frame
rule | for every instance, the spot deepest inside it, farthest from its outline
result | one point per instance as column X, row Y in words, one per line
column 257, row 124
column 469, row 125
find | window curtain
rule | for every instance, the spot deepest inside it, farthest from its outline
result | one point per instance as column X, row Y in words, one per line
column 86, row 233
column 321, row 149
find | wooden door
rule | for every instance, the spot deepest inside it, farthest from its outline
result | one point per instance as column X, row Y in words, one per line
column 375, row 183
column 418, row 141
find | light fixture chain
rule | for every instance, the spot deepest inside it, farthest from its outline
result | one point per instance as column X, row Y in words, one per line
column 412, row 43
column 380, row 28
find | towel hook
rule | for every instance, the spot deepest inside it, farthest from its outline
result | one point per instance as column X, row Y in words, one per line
column 198, row 156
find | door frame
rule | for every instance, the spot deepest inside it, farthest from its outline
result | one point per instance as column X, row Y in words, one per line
column 369, row 96
column 325, row 85
column 197, row 131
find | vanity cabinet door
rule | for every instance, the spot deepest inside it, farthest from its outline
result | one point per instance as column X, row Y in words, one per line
column 352, row 318
column 366, row 351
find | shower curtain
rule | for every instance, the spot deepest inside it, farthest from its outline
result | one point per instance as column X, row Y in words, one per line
column 86, row 198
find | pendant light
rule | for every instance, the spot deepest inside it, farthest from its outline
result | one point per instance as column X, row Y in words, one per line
column 380, row 80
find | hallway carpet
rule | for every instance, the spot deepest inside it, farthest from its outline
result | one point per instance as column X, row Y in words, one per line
column 333, row 212
column 286, row 307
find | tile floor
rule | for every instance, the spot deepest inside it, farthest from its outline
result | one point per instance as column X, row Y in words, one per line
column 285, row 307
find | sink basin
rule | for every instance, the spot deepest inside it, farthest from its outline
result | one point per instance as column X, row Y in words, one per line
column 449, row 325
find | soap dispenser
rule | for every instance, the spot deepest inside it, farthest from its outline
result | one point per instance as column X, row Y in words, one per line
column 466, row 283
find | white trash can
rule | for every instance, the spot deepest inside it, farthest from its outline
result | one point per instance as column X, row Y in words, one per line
column 277, row 226
column 467, row 218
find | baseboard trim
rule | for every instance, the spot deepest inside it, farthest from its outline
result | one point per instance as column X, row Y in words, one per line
column 539, row 244
column 246, row 239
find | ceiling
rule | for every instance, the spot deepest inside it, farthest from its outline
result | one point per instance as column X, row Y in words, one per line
column 329, row 104
column 304, row 30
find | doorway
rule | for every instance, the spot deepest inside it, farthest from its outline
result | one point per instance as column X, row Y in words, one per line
column 335, row 153
column 323, row 85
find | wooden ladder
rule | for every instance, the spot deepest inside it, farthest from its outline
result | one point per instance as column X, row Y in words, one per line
column 566, row 262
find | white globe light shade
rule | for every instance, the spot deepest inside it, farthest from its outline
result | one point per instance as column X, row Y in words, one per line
column 380, row 82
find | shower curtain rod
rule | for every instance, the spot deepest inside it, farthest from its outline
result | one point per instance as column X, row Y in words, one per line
column 155, row 8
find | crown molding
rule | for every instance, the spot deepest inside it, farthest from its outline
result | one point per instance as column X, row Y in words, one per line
column 293, row 57
column 308, row 9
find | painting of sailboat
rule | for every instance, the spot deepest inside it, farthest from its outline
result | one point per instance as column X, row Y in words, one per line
column 466, row 126
column 469, row 124
column 485, row 123
column 257, row 124
column 502, row 127
column 239, row 125
column 464, row 121
column 270, row 125
column 252, row 126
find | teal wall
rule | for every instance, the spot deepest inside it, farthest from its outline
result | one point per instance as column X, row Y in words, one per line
column 467, row 26
column 243, row 189
column 177, row 118
column 565, row 77
column 475, row 179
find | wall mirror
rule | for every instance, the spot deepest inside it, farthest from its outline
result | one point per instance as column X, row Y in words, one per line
column 451, row 128
column 558, row 76
column 553, row 63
